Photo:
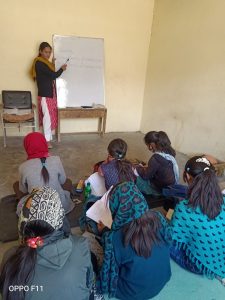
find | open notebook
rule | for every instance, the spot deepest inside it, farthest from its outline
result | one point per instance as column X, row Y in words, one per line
column 100, row 211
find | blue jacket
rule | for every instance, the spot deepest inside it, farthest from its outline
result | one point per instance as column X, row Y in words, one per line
column 140, row 278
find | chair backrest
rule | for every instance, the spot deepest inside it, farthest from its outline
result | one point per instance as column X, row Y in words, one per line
column 17, row 99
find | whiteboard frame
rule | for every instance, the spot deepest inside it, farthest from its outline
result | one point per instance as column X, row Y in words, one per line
column 98, row 38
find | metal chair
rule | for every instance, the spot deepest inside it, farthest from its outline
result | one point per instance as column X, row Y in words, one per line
column 17, row 109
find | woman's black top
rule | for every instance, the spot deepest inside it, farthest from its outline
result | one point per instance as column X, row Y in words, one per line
column 159, row 171
column 45, row 77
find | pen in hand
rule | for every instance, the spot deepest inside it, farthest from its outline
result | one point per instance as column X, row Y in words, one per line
column 65, row 65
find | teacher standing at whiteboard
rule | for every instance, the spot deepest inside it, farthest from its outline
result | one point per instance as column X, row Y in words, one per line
column 43, row 72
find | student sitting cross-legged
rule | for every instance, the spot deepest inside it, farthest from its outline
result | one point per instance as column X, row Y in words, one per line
column 49, row 263
column 115, row 169
column 162, row 170
column 136, row 262
column 42, row 169
column 116, row 166
column 198, row 224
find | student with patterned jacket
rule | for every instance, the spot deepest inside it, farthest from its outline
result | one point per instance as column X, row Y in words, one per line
column 197, row 227
column 49, row 263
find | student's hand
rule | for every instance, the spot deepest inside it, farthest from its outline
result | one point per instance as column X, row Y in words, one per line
column 138, row 165
column 64, row 67
column 135, row 171
column 100, row 226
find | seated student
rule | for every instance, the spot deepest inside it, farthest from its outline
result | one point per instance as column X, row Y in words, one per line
column 41, row 169
column 198, row 223
column 136, row 264
column 48, row 263
column 116, row 167
column 162, row 169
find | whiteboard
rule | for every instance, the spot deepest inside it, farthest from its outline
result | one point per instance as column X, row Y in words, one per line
column 82, row 84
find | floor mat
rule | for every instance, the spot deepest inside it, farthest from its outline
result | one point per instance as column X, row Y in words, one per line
column 8, row 219
column 184, row 285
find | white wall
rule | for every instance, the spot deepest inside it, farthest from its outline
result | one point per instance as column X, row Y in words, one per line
column 185, row 81
column 125, row 26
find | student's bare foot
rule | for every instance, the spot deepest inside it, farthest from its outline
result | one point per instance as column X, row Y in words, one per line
column 50, row 145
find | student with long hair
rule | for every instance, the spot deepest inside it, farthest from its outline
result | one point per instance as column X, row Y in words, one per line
column 116, row 168
column 41, row 169
column 198, row 223
column 162, row 170
column 43, row 72
column 48, row 264
column 136, row 262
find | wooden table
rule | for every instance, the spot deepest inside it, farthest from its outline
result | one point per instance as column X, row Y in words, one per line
column 79, row 112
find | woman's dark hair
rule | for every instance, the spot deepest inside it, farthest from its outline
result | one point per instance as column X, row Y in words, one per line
column 143, row 233
column 18, row 269
column 44, row 45
column 204, row 190
column 117, row 148
column 44, row 171
column 161, row 140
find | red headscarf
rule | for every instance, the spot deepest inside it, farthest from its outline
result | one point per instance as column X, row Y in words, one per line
column 35, row 145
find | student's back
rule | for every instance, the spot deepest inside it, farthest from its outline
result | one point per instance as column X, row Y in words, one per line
column 136, row 263
column 110, row 173
column 159, row 171
column 49, row 263
column 162, row 170
column 139, row 277
column 198, row 223
column 64, row 271
column 116, row 168
column 29, row 177
column 40, row 169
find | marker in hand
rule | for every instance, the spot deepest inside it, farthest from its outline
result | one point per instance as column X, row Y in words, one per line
column 65, row 64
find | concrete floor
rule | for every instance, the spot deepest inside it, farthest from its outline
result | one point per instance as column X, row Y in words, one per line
column 79, row 153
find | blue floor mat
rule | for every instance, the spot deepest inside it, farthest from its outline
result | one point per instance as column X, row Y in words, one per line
column 184, row 285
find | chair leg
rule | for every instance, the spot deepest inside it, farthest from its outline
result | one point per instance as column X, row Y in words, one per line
column 34, row 126
column 4, row 130
column 4, row 136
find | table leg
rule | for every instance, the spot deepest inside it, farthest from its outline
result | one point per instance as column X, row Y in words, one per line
column 104, row 122
column 100, row 125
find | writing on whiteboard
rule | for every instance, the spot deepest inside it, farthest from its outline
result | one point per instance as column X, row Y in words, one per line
column 83, row 79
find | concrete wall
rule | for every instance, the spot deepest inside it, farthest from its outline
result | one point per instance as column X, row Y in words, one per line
column 125, row 26
column 185, row 81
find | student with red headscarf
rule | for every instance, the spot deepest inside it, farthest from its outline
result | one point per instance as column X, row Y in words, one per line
column 40, row 169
